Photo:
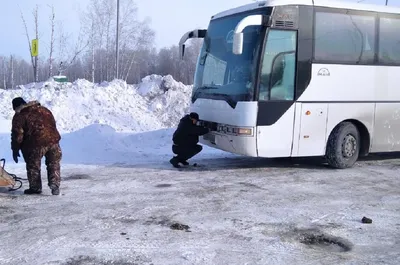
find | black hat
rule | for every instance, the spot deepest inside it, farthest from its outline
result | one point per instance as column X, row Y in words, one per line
column 194, row 115
column 16, row 102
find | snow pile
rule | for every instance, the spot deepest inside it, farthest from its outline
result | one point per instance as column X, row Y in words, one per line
column 168, row 99
column 110, row 122
column 100, row 144
column 158, row 102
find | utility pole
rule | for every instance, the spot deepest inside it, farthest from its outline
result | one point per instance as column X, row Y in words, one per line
column 386, row 2
column 117, row 43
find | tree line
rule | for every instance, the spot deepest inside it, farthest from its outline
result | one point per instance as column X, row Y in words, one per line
column 92, row 55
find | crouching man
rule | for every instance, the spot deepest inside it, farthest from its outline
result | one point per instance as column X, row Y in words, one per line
column 186, row 138
column 34, row 132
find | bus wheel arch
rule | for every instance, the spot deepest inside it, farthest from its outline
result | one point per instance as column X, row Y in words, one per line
column 347, row 141
column 365, row 138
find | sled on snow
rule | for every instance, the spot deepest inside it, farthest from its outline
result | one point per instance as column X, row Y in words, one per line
column 9, row 180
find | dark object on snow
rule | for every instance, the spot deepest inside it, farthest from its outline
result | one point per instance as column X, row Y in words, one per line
column 185, row 139
column 366, row 220
column 178, row 226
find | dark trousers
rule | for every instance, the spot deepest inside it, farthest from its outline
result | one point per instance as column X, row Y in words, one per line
column 33, row 159
column 186, row 152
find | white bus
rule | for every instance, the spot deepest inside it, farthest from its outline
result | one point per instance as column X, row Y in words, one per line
column 300, row 78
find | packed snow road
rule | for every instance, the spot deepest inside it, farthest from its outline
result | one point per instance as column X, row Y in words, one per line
column 234, row 211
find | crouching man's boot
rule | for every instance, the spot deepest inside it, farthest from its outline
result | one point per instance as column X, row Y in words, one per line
column 175, row 162
column 32, row 191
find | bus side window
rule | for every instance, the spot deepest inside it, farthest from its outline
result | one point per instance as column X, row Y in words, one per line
column 278, row 66
column 283, row 76
column 344, row 38
column 389, row 41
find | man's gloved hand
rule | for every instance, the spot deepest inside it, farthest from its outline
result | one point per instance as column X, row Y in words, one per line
column 15, row 156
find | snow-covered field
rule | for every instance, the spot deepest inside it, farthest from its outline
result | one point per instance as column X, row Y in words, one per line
column 121, row 200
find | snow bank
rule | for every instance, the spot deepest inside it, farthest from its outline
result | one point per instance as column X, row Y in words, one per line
column 107, row 123
column 157, row 102
column 101, row 144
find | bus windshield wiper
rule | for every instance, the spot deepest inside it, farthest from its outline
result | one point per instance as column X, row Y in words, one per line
column 228, row 98
column 206, row 88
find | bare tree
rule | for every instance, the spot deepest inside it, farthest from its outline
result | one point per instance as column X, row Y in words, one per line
column 34, row 59
column 12, row 70
column 52, row 40
column 4, row 74
column 67, row 61
column 109, row 16
column 93, row 52
column 36, row 17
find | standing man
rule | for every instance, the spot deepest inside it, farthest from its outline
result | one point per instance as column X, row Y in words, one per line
column 186, row 138
column 34, row 132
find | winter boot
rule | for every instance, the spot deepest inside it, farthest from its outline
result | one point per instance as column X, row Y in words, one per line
column 184, row 162
column 55, row 191
column 30, row 191
column 175, row 162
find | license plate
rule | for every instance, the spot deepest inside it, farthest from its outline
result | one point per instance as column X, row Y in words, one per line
column 209, row 137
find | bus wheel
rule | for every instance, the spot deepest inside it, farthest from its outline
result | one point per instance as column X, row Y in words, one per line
column 343, row 146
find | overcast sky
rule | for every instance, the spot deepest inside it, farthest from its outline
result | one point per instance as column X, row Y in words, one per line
column 169, row 18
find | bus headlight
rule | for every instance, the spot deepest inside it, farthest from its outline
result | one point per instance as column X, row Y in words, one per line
column 245, row 131
column 242, row 131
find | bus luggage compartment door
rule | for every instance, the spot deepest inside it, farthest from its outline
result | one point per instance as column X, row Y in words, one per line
column 312, row 133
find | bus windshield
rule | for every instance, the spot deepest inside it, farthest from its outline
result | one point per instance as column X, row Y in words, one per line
column 221, row 74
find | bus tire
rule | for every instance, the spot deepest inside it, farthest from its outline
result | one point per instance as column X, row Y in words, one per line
column 343, row 146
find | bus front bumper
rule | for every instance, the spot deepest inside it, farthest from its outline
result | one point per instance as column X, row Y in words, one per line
column 236, row 144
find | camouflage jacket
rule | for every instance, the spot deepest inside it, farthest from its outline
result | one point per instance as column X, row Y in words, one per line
column 33, row 126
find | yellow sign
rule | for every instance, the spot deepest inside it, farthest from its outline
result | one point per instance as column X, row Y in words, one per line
column 35, row 48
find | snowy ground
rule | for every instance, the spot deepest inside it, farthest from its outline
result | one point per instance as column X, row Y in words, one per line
column 239, row 210
column 120, row 195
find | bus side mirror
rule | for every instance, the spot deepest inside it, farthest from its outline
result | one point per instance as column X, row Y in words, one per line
column 198, row 33
column 253, row 20
column 237, row 43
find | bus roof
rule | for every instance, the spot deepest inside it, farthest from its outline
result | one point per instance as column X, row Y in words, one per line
column 321, row 3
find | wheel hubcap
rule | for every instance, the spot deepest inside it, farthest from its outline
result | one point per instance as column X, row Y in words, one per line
column 349, row 146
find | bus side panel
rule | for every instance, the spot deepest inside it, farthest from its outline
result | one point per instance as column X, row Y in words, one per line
column 342, row 83
column 387, row 128
column 362, row 112
column 275, row 140
column 312, row 134
column 296, row 130
column 387, row 114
